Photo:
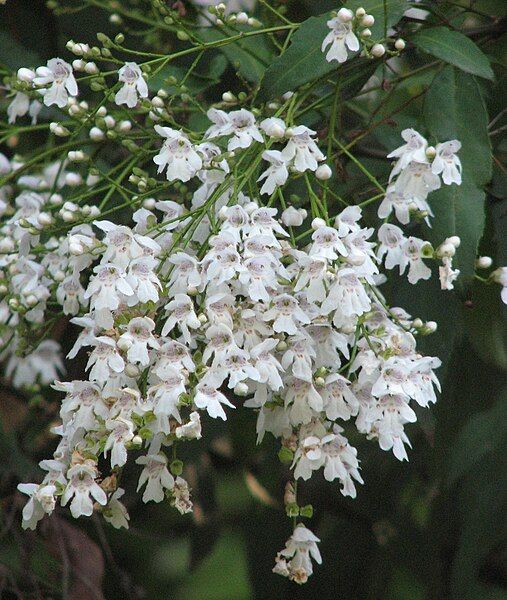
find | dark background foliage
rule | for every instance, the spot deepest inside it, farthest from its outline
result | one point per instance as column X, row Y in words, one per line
column 431, row 528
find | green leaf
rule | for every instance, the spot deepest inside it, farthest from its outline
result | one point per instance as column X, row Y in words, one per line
column 454, row 48
column 250, row 56
column 454, row 108
column 483, row 434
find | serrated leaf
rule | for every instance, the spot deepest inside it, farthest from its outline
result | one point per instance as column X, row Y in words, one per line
column 454, row 108
column 454, row 48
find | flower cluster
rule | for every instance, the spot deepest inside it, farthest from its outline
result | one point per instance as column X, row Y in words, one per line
column 204, row 289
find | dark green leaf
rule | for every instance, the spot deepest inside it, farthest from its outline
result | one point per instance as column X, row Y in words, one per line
column 250, row 56
column 483, row 434
column 454, row 48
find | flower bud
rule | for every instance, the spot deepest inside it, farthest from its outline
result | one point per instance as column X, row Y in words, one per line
column 431, row 326
column 317, row 223
column 241, row 389
column 124, row 344
column 242, row 18
column 345, row 15
column 431, row 152
column 368, row 20
column 109, row 121
column 228, row 97
column 25, row 75
column 44, row 219
column 291, row 217
column 399, row 44
column 76, row 249
column 323, row 172
column 203, row 319
column 417, row 323
column 91, row 68
column 360, row 12
column 137, row 441
column 378, row 50
column 366, row 33
column 455, row 240
column 132, row 370
column 446, row 249
column 96, row 134
column 484, row 262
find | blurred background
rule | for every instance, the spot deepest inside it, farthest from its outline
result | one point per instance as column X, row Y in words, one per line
column 431, row 528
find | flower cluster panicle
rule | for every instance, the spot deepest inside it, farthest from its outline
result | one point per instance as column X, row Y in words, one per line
column 196, row 287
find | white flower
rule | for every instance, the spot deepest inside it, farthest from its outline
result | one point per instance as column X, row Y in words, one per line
column 347, row 294
column 239, row 123
column 122, row 432
column 177, row 155
column 143, row 280
column 134, row 84
column 185, row 273
column 208, row 398
column 327, row 244
column 180, row 311
column 106, row 290
column 156, row 476
column 391, row 240
column 339, row 400
column 276, row 174
column 414, row 184
column 340, row 460
column 115, row 512
column 42, row 501
column 20, row 105
column 412, row 248
column 166, row 394
column 447, row 274
column 447, row 163
column 300, row 548
column 302, row 148
column 191, row 429
column 59, row 74
column 339, row 38
column 137, row 338
column 81, row 488
column 104, row 359
column 286, row 315
column 413, row 151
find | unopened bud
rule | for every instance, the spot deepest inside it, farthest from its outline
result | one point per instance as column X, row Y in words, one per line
column 368, row 20
column 399, row 44
column 345, row 15
column 484, row 262
column 317, row 223
column 378, row 50
column 323, row 172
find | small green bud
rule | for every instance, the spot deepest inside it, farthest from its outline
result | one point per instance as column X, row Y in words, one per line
column 306, row 511
column 119, row 39
column 182, row 35
column 176, row 467
column 285, row 455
